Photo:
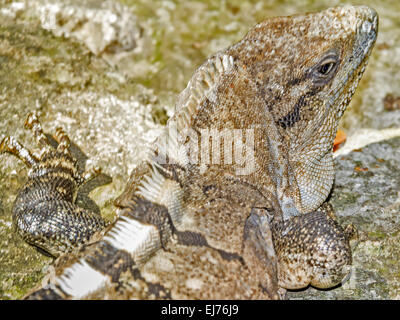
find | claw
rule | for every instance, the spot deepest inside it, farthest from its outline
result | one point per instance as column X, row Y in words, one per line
column 11, row 145
column 63, row 141
column 3, row 145
column 32, row 123
column 89, row 175
column 31, row 118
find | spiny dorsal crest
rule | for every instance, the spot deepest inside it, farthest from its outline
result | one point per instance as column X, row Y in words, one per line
column 201, row 87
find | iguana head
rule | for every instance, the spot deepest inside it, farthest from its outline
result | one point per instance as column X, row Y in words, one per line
column 307, row 68
column 292, row 78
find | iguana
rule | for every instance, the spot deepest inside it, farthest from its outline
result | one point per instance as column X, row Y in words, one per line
column 198, row 221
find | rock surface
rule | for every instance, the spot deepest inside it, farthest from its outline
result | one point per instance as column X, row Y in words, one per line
column 113, row 90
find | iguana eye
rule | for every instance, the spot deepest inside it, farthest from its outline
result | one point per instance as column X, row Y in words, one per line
column 324, row 71
column 326, row 68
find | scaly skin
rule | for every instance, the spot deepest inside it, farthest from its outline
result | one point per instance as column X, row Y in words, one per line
column 44, row 212
column 195, row 228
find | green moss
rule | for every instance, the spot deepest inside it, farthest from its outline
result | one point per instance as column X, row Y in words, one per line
column 376, row 235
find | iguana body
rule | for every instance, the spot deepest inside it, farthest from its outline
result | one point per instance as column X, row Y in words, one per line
column 205, row 222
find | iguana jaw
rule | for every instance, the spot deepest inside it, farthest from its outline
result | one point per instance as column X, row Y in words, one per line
column 312, row 159
column 355, row 59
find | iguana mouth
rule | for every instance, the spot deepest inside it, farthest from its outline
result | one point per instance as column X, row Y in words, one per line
column 318, row 138
column 366, row 33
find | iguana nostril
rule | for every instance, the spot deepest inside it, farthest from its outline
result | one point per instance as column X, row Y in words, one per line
column 366, row 27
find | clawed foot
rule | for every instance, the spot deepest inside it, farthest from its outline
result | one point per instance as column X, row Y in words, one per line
column 31, row 158
column 45, row 213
